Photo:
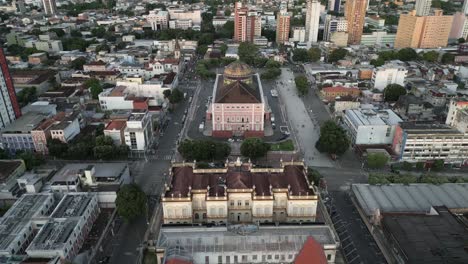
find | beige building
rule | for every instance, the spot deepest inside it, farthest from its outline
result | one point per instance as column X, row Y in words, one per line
column 339, row 38
column 355, row 13
column 423, row 32
column 239, row 193
column 282, row 27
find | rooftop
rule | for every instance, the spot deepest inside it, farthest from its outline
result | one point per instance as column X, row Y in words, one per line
column 424, row 127
column 188, row 241
column 239, row 177
column 71, row 171
column 428, row 239
column 72, row 205
column 237, row 91
column 53, row 235
column 24, row 124
column 7, row 167
column 116, row 125
column 412, row 198
column 369, row 117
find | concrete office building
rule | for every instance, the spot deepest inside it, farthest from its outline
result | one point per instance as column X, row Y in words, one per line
column 334, row 24
column 369, row 127
column 334, row 5
column 283, row 22
column 423, row 32
column 298, row 34
column 378, row 38
column 138, row 133
column 9, row 107
column 390, row 73
column 312, row 21
column 465, row 7
column 355, row 13
column 158, row 19
column 423, row 7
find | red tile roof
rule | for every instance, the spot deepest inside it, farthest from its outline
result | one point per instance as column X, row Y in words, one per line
column 117, row 125
column 311, row 253
column 338, row 89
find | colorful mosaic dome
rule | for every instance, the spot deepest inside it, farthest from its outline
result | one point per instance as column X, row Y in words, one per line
column 238, row 70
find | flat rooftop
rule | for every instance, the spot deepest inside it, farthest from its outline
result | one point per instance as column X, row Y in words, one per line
column 428, row 239
column 425, row 127
column 25, row 123
column 7, row 167
column 411, row 198
column 238, row 177
column 70, row 171
column 53, row 235
column 368, row 117
column 72, row 205
column 193, row 240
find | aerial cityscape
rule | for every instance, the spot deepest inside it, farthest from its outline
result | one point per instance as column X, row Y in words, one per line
column 239, row 131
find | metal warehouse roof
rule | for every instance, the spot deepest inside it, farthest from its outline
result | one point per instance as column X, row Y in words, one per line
column 410, row 198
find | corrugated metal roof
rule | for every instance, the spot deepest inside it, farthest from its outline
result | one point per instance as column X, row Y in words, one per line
column 410, row 198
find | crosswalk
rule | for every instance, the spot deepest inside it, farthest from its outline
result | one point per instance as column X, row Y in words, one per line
column 162, row 157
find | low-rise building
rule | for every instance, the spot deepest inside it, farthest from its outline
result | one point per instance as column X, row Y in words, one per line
column 455, row 106
column 158, row 19
column 331, row 93
column 239, row 193
column 17, row 135
column 427, row 141
column 37, row 58
column 95, row 66
column 369, row 127
column 390, row 73
column 66, row 129
column 345, row 103
column 378, row 38
column 10, row 170
column 51, row 46
column 410, row 107
column 115, row 130
column 375, row 21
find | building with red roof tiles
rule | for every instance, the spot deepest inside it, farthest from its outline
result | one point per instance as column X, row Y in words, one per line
column 115, row 129
column 239, row 193
column 311, row 253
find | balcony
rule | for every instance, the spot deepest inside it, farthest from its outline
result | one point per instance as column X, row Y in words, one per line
column 240, row 207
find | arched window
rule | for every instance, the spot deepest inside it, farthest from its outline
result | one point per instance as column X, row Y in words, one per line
column 197, row 216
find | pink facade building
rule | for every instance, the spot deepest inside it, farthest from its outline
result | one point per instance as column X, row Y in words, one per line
column 238, row 107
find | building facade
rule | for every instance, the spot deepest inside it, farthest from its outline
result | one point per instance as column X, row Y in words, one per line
column 390, row 73
column 239, row 193
column 355, row 13
column 158, row 19
column 455, row 106
column 50, row 8
column 369, row 127
column 334, row 24
column 138, row 133
column 331, row 93
column 378, row 38
column 238, row 107
column 9, row 106
column 423, row 32
column 247, row 23
column 298, row 34
column 423, row 7
column 312, row 21
column 283, row 21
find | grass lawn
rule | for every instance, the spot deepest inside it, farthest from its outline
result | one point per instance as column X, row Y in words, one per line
column 287, row 145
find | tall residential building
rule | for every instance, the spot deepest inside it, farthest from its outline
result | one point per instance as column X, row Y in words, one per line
column 334, row 24
column 312, row 21
column 247, row 24
column 334, row 5
column 423, row 7
column 283, row 23
column 9, row 107
column 158, row 19
column 423, row 32
column 465, row 7
column 355, row 13
column 459, row 26
column 50, row 8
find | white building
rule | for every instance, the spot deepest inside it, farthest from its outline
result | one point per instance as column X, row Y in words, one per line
column 49, row 7
column 180, row 13
column 465, row 7
column 423, row 7
column 115, row 99
column 66, row 129
column 139, row 131
column 158, row 19
column 65, row 231
column 298, row 34
column 390, row 73
column 45, row 45
column 312, row 21
column 369, row 127
column 334, row 24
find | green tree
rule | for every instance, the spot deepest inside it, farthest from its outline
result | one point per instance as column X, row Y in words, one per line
column 176, row 96
column 333, row 139
column 392, row 92
column 302, row 85
column 167, row 93
column 337, row 54
column 94, row 87
column 57, row 148
column 407, row 166
column 27, row 95
column 438, row 165
column 131, row 202
column 407, row 54
column 378, row 62
column 269, row 34
column 314, row 54
column 260, row 62
column 272, row 64
column 104, row 152
column 247, row 52
column 76, row 33
column 98, row 32
column 376, row 160
column 271, row 73
column 203, row 150
column 60, row 33
column 448, row 58
column 104, row 141
column 254, row 148
column 78, row 63
column 300, row 55
column 313, row 176
column 30, row 159
column 431, row 56
column 461, row 40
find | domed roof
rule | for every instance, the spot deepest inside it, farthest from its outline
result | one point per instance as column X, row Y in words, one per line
column 238, row 69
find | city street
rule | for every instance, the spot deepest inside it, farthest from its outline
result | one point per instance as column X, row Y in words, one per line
column 305, row 130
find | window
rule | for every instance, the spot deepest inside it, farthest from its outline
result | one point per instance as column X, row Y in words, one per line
column 269, row 256
column 254, row 257
column 244, row 258
column 207, row 259
column 239, row 203
column 247, row 203
column 329, row 257
column 220, row 259
column 232, row 203
column 236, row 260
